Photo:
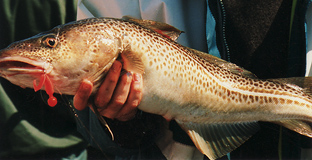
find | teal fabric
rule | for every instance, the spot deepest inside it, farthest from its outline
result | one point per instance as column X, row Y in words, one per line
column 211, row 33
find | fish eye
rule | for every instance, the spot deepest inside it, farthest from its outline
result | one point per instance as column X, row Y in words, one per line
column 50, row 41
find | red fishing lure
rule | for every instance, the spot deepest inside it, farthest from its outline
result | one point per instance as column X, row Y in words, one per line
column 45, row 80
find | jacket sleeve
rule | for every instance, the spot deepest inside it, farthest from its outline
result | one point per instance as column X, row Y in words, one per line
column 130, row 138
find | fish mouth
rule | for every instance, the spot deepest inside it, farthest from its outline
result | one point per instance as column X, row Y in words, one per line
column 10, row 66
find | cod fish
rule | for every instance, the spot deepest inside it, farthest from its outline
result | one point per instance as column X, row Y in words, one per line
column 217, row 103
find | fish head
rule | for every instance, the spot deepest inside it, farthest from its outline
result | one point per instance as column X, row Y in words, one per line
column 67, row 54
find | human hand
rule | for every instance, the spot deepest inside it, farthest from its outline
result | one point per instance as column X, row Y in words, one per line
column 117, row 97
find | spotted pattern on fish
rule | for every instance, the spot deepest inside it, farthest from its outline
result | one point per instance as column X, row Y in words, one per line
column 205, row 82
column 202, row 93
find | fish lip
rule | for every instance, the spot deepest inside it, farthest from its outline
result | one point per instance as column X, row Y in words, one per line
column 10, row 66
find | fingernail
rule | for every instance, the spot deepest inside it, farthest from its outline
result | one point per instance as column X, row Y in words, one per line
column 129, row 74
column 137, row 77
column 86, row 85
column 116, row 67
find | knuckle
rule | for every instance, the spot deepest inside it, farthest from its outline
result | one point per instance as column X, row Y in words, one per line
column 126, row 117
column 110, row 112
column 101, row 102
column 135, row 103
column 126, row 79
column 112, row 79
column 107, row 115
column 137, row 89
column 119, row 101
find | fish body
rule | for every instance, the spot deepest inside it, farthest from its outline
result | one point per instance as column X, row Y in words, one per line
column 217, row 103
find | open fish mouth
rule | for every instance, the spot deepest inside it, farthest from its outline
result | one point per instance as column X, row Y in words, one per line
column 10, row 66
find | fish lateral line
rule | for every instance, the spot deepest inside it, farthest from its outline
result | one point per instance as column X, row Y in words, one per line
column 46, row 81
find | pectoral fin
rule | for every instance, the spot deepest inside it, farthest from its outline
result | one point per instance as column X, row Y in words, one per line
column 216, row 140
column 296, row 125
column 132, row 61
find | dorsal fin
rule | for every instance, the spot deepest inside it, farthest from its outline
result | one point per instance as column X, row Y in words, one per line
column 159, row 27
column 224, row 64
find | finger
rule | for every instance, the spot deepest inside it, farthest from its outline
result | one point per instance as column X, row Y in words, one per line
column 82, row 96
column 107, row 88
column 119, row 97
column 135, row 96
column 127, row 116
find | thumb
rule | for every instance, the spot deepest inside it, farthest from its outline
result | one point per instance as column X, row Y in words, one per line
column 82, row 95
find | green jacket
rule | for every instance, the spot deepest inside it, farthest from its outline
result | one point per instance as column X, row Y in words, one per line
column 28, row 126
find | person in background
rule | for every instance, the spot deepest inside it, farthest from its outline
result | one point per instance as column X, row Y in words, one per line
column 266, row 37
column 250, row 34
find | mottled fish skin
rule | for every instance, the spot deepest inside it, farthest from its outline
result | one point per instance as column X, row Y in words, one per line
column 194, row 88
column 197, row 83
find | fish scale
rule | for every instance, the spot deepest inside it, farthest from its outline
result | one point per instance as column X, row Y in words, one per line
column 216, row 102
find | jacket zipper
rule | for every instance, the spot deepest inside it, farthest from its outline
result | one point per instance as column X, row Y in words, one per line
column 223, row 16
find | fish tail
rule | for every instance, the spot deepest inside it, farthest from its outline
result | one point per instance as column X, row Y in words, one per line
column 300, row 126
